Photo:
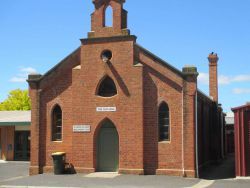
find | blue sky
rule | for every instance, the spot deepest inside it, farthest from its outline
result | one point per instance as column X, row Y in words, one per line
column 36, row 35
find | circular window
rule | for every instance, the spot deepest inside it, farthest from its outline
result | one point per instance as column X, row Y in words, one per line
column 106, row 56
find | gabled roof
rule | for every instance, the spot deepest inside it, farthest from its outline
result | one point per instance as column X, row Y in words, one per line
column 8, row 118
column 159, row 60
column 56, row 66
column 142, row 49
column 245, row 107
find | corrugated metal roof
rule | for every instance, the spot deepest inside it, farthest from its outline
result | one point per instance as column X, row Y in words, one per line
column 15, row 117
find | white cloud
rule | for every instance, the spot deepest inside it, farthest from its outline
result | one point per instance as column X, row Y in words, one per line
column 242, row 78
column 28, row 70
column 239, row 91
column 203, row 78
column 223, row 79
column 23, row 75
column 18, row 79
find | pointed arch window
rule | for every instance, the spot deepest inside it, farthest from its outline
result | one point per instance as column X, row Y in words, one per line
column 164, row 123
column 57, row 123
column 108, row 17
column 107, row 88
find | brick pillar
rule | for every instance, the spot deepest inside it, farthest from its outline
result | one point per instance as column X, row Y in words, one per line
column 34, row 93
column 189, row 120
column 213, row 76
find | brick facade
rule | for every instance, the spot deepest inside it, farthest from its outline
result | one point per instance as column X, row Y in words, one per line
column 143, row 81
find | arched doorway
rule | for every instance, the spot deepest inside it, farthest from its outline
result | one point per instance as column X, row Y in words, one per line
column 107, row 148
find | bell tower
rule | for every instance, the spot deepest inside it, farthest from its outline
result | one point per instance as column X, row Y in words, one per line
column 98, row 19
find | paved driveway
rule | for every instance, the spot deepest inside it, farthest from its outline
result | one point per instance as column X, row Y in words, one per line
column 16, row 175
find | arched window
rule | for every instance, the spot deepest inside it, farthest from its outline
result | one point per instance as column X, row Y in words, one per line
column 107, row 88
column 108, row 17
column 57, row 123
column 164, row 125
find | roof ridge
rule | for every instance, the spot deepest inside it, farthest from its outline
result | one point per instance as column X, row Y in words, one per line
column 58, row 64
column 161, row 61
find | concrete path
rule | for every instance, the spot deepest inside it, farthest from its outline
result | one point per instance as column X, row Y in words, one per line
column 15, row 175
column 13, row 170
column 102, row 181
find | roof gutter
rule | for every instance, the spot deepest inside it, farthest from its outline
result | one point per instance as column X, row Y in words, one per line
column 28, row 123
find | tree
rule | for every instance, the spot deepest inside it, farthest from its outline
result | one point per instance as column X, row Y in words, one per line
column 17, row 100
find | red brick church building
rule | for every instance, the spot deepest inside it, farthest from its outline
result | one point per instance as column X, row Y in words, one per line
column 111, row 105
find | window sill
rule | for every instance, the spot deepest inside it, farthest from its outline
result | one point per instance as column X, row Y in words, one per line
column 164, row 142
column 57, row 141
column 101, row 97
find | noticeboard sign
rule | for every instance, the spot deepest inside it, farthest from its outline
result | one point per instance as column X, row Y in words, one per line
column 81, row 128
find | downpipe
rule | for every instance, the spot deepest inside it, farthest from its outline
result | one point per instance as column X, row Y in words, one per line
column 183, row 162
column 196, row 134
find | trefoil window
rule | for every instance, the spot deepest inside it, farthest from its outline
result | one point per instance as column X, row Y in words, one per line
column 107, row 88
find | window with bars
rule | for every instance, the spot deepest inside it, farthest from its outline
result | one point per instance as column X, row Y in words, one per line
column 57, row 124
column 164, row 123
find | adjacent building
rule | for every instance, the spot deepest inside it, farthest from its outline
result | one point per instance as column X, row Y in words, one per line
column 112, row 105
column 229, row 134
column 15, row 135
column 242, row 140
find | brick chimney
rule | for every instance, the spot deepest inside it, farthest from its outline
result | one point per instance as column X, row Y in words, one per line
column 213, row 76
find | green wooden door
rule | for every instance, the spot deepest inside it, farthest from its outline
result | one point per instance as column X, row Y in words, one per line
column 108, row 148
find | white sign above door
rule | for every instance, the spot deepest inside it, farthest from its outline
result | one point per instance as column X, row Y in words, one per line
column 106, row 109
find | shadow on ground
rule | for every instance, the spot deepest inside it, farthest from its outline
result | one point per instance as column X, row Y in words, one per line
column 222, row 170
